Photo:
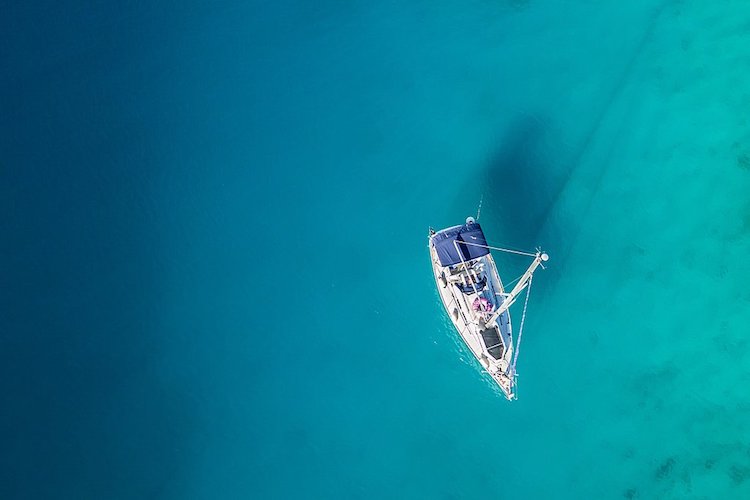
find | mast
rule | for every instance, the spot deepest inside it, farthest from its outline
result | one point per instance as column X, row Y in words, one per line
column 525, row 279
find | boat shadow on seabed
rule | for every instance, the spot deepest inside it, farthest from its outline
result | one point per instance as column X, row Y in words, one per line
column 520, row 185
column 518, row 191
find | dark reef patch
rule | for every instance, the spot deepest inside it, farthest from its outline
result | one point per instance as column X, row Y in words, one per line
column 743, row 161
column 664, row 470
column 739, row 473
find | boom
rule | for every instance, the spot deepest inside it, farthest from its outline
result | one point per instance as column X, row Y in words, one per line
column 511, row 297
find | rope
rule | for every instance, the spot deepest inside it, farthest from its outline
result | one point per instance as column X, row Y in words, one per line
column 479, row 210
column 520, row 329
column 518, row 252
column 510, row 284
column 529, row 254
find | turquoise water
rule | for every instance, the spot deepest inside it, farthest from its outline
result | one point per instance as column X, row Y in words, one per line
column 217, row 278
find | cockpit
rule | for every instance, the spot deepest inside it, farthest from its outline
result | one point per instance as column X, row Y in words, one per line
column 469, row 279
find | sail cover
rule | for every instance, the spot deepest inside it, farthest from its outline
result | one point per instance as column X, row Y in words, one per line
column 468, row 233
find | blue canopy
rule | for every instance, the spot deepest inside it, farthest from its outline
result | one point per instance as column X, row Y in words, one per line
column 468, row 233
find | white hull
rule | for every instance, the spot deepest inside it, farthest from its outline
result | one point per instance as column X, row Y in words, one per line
column 491, row 343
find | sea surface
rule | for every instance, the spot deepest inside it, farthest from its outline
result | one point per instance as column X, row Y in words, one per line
column 214, row 264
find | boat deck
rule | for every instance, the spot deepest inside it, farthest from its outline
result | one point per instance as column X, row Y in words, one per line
column 497, row 340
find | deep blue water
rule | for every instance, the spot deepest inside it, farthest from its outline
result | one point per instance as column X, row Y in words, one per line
column 216, row 278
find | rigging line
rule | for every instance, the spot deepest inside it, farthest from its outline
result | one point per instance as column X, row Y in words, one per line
column 508, row 285
column 520, row 329
column 528, row 254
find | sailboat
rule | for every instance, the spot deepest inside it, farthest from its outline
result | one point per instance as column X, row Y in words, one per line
column 477, row 303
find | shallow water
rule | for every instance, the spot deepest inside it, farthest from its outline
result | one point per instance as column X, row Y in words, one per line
column 218, row 278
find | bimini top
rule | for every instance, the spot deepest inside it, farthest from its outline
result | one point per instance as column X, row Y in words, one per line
column 468, row 233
